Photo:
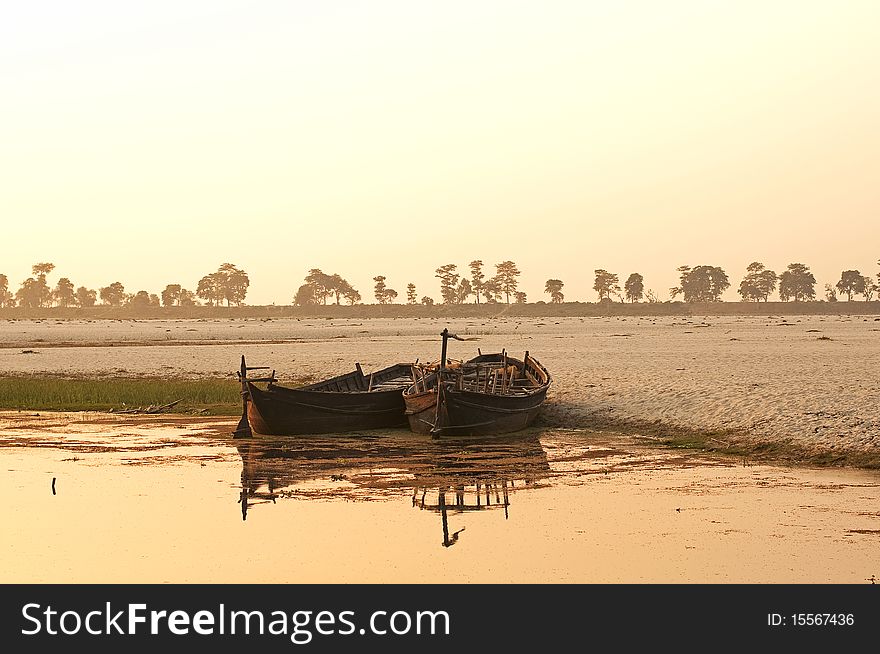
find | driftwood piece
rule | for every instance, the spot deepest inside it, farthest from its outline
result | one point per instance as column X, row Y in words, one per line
column 151, row 409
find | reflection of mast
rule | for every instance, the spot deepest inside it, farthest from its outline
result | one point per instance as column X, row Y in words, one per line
column 250, row 481
column 441, row 501
column 248, row 487
column 496, row 490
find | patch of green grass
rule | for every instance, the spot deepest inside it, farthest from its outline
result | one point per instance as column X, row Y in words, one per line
column 780, row 452
column 205, row 396
column 731, row 443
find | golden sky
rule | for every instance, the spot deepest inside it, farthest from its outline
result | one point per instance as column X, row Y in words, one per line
column 150, row 142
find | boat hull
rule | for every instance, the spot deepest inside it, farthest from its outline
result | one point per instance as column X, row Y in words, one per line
column 464, row 413
column 280, row 411
column 452, row 409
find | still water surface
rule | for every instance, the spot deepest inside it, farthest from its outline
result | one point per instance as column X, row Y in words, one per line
column 169, row 499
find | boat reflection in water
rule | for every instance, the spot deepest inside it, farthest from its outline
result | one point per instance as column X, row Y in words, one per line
column 480, row 478
column 463, row 498
column 462, row 475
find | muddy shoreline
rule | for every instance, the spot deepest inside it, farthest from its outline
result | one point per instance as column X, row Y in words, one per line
column 788, row 388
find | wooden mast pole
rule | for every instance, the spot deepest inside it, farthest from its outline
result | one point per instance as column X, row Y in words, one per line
column 435, row 430
column 243, row 430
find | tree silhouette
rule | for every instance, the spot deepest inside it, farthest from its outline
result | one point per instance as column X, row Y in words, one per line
column 506, row 274
column 86, row 297
column 210, row 289
column 477, row 277
column 427, row 301
column 45, row 291
column 797, row 283
column 851, row 282
column 411, row 293
column 701, row 284
column 234, row 283
column 379, row 288
column 42, row 269
column 229, row 283
column 870, row 288
column 6, row 298
column 341, row 288
column 830, row 293
column 765, row 282
column 34, row 291
column 463, row 291
column 140, row 300
column 171, row 295
column 634, row 287
column 41, row 290
column 113, row 295
column 322, row 283
column 64, row 294
column 554, row 288
column 351, row 294
column 758, row 283
column 187, row 298
column 492, row 290
column 519, row 297
column 383, row 294
column 606, row 283
column 30, row 293
column 448, row 282
column 306, row 295
column 325, row 286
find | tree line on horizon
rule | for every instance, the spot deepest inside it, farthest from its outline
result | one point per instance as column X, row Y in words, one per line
column 230, row 284
column 696, row 284
column 454, row 288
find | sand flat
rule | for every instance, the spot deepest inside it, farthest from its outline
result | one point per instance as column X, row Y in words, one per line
column 804, row 381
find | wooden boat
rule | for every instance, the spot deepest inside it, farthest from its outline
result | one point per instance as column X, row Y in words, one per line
column 489, row 394
column 350, row 402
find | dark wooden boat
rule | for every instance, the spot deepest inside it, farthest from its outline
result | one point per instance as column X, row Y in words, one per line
column 489, row 394
column 351, row 402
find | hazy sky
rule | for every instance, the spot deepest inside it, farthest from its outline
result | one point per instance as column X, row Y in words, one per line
column 150, row 142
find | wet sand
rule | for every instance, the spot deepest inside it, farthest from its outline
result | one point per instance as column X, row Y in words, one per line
column 174, row 499
column 803, row 384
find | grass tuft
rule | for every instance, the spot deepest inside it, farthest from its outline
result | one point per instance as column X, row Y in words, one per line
column 205, row 396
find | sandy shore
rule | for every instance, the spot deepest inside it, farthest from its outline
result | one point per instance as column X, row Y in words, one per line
column 808, row 384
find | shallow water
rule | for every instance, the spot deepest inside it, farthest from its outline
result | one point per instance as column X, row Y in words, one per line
column 173, row 499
